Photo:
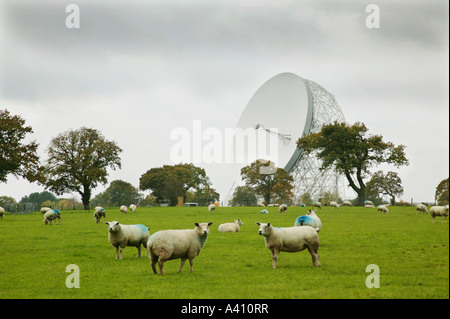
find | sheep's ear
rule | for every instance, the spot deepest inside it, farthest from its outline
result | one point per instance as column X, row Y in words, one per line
column 107, row 223
column 268, row 224
column 210, row 223
column 196, row 224
column 259, row 224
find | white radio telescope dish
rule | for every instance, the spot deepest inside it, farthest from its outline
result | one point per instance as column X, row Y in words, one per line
column 285, row 108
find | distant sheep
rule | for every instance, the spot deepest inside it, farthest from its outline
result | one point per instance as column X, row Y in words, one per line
column 290, row 239
column 369, row 206
column 231, row 227
column 317, row 204
column 127, row 235
column 51, row 215
column 133, row 208
column 264, row 211
column 368, row 202
column 421, row 208
column 173, row 244
column 334, row 204
column 99, row 212
column 282, row 208
column 383, row 209
column 211, row 207
column 45, row 209
column 2, row 212
column 439, row 211
column 346, row 203
column 123, row 209
column 310, row 219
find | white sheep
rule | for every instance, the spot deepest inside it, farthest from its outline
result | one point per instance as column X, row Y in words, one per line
column 99, row 212
column 368, row 202
column 211, row 207
column 173, row 244
column 346, row 203
column 127, row 235
column 439, row 211
column 133, row 208
column 45, row 209
column 123, row 209
column 421, row 208
column 2, row 212
column 369, row 206
column 282, row 208
column 290, row 239
column 317, row 204
column 383, row 209
column 310, row 219
column 334, row 204
column 51, row 215
column 231, row 227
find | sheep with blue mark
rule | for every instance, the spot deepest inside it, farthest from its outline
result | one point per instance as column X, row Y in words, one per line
column 383, row 209
column 282, row 208
column 231, row 227
column 52, row 215
column 317, row 204
column 421, row 208
column 439, row 211
column 179, row 243
column 310, row 219
column 264, row 211
column 121, row 236
column 99, row 212
column 290, row 239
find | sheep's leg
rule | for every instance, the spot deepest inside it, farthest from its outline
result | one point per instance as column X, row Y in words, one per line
column 117, row 252
column 191, row 263
column 139, row 251
column 183, row 260
column 161, row 266
column 275, row 254
column 315, row 257
column 153, row 258
column 433, row 218
column 121, row 250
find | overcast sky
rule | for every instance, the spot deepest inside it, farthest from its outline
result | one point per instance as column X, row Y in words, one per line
column 136, row 70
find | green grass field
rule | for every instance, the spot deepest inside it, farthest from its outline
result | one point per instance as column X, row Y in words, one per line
column 411, row 253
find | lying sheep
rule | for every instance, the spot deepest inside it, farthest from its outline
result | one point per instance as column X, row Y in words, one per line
column 133, row 208
column 369, row 206
column 51, row 215
column 173, row 244
column 346, row 203
column 45, row 209
column 231, row 227
column 211, row 207
column 282, row 208
column 99, row 212
column 334, row 204
column 290, row 239
column 310, row 219
column 123, row 209
column 421, row 208
column 383, row 209
column 439, row 211
column 317, row 204
column 264, row 211
column 127, row 235
column 2, row 212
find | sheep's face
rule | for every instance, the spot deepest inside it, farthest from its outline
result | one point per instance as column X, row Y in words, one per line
column 203, row 228
column 239, row 222
column 264, row 229
column 113, row 226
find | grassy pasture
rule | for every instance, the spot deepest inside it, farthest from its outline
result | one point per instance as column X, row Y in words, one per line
column 411, row 252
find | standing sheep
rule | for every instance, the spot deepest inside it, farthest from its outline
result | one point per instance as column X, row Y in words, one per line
column 290, row 239
column 51, row 215
column 211, row 207
column 421, row 208
column 347, row 203
column 45, row 209
column 133, row 208
column 231, row 227
column 173, row 244
column 317, row 204
column 310, row 219
column 334, row 204
column 2, row 212
column 127, row 235
column 383, row 209
column 282, row 208
column 99, row 212
column 439, row 211
column 123, row 209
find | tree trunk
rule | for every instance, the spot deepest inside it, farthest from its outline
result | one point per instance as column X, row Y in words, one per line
column 86, row 197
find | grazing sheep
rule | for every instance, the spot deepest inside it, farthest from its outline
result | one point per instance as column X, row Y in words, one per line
column 421, row 208
column 369, row 206
column 127, row 235
column 264, row 211
column 317, row 204
column 439, row 211
column 211, row 207
column 51, row 215
column 334, row 204
column 133, row 208
column 123, row 209
column 310, row 219
column 368, row 202
column 290, row 239
column 45, row 209
column 2, row 212
column 347, row 203
column 231, row 227
column 383, row 209
column 282, row 208
column 173, row 244
column 99, row 212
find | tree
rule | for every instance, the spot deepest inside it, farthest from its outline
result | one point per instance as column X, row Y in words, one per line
column 277, row 184
column 117, row 194
column 441, row 195
column 78, row 161
column 39, row 198
column 352, row 151
column 381, row 185
column 16, row 157
column 244, row 196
